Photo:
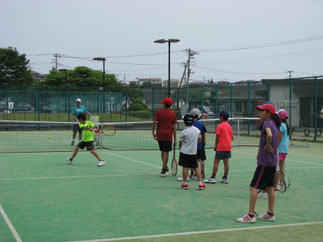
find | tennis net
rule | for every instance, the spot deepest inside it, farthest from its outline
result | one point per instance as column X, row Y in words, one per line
column 43, row 136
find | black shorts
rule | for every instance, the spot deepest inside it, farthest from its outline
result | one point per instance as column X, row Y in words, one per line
column 165, row 146
column 188, row 161
column 76, row 128
column 201, row 154
column 263, row 177
column 89, row 145
column 221, row 155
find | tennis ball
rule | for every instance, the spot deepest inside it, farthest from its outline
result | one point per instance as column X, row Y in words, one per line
column 49, row 137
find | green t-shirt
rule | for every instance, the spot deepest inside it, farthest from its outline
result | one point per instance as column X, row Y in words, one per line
column 87, row 134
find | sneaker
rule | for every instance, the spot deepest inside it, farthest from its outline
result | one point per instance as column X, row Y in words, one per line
column 181, row 179
column 69, row 160
column 246, row 219
column 164, row 173
column 263, row 195
column 194, row 178
column 210, row 180
column 267, row 217
column 101, row 163
column 224, row 181
column 73, row 142
column 185, row 186
column 202, row 186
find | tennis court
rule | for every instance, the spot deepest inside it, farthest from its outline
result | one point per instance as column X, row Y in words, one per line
column 43, row 199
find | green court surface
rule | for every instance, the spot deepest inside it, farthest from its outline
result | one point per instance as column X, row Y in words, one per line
column 47, row 200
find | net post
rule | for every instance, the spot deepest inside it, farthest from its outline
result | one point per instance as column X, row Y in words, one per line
column 238, row 131
column 316, row 116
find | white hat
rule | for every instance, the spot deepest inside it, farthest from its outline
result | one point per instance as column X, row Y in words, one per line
column 78, row 100
column 196, row 112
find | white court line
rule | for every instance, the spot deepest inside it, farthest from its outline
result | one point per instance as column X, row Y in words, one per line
column 202, row 232
column 138, row 161
column 12, row 229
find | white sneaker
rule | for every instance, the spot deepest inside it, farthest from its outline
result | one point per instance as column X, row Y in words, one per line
column 101, row 163
column 263, row 195
column 69, row 161
column 194, row 178
column 210, row 180
column 267, row 217
column 181, row 179
column 224, row 181
column 246, row 219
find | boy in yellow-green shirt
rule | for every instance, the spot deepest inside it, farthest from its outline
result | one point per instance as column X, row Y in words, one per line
column 87, row 128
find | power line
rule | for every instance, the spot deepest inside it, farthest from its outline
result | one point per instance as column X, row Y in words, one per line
column 266, row 45
column 236, row 72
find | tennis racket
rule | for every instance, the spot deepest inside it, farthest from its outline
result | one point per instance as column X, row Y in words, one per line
column 281, row 183
column 174, row 162
column 287, row 177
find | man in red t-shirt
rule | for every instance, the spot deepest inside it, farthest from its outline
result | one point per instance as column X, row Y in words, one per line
column 166, row 129
column 224, row 138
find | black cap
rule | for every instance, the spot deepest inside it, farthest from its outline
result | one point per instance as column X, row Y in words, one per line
column 188, row 119
column 224, row 114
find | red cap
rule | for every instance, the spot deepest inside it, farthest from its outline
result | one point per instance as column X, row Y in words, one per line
column 268, row 107
column 168, row 101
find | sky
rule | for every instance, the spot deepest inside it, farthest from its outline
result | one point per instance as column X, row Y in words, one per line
column 235, row 40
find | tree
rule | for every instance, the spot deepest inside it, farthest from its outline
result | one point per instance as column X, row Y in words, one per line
column 14, row 67
column 138, row 105
column 82, row 76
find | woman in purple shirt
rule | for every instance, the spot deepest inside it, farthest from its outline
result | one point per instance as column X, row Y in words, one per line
column 264, row 175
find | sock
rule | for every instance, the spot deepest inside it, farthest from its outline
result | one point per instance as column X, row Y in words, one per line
column 200, row 183
column 271, row 214
column 213, row 176
column 185, row 182
column 225, row 176
column 251, row 215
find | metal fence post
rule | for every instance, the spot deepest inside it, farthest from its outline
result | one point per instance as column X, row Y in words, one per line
column 152, row 103
column 189, row 99
column 7, row 101
column 38, row 104
column 290, row 107
column 202, row 100
column 68, row 104
column 316, row 116
column 248, row 108
column 178, row 108
column 268, row 90
column 126, row 106
column 216, row 100
column 97, row 101
column 231, row 102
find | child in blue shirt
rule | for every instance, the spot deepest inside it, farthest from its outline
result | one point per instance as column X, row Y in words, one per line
column 283, row 146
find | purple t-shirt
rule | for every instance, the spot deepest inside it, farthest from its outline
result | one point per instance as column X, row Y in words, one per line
column 265, row 158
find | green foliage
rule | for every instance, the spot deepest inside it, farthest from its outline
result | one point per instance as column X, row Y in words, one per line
column 14, row 67
column 143, row 114
column 137, row 107
column 81, row 76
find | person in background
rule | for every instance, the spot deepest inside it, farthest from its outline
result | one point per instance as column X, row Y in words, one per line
column 166, row 121
column 75, row 112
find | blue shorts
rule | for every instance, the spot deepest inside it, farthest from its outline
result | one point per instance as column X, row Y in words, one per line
column 221, row 155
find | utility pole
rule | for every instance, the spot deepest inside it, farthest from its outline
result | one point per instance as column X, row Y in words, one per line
column 56, row 61
column 191, row 54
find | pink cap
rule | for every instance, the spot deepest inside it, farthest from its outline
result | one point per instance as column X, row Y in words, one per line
column 282, row 114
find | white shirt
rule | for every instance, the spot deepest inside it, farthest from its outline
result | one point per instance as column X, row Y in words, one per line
column 189, row 137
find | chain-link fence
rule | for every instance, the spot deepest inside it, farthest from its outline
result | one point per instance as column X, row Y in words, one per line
column 302, row 97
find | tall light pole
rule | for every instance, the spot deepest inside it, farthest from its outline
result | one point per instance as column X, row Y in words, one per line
column 103, row 78
column 169, row 41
